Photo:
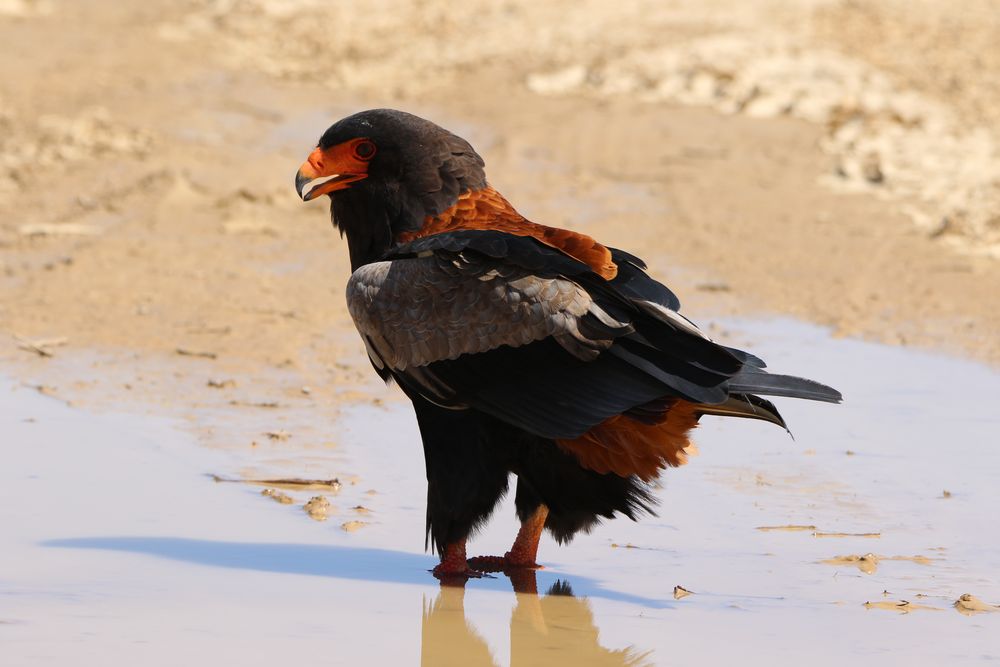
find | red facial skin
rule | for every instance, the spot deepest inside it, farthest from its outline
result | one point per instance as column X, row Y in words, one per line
column 348, row 162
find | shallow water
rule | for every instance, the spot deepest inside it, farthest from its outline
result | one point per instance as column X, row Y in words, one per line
column 119, row 548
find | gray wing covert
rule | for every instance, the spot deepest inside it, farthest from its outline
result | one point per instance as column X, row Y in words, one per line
column 417, row 310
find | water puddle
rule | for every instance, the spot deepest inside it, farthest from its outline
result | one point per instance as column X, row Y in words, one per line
column 857, row 541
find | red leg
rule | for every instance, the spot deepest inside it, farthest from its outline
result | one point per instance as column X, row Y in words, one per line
column 452, row 560
column 454, row 568
column 525, row 549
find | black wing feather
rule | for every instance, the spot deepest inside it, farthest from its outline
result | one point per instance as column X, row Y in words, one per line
column 756, row 381
column 633, row 281
column 543, row 389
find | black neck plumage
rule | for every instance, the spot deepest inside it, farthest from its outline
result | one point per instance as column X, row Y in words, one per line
column 371, row 217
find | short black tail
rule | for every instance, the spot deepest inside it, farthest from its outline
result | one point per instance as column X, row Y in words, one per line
column 753, row 380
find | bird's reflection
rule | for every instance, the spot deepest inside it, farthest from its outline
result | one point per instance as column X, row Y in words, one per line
column 550, row 630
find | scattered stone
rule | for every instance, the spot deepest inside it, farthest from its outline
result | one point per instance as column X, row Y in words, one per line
column 40, row 345
column 351, row 526
column 280, row 497
column 867, row 563
column 292, row 483
column 789, row 527
column 938, row 230
column 902, row 606
column 970, row 605
column 680, row 592
column 45, row 390
column 317, row 508
column 185, row 352
column 256, row 404
column 871, row 170
column 913, row 147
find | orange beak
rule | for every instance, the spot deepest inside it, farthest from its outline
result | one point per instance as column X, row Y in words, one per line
column 329, row 170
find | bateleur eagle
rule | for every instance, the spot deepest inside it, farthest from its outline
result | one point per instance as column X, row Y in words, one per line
column 525, row 349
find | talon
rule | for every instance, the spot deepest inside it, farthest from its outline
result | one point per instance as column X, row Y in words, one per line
column 454, row 569
column 522, row 555
column 529, row 564
column 488, row 563
column 503, row 563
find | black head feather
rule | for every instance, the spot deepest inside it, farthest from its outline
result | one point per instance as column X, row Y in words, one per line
column 418, row 170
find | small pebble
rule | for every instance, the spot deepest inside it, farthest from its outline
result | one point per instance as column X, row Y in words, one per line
column 317, row 508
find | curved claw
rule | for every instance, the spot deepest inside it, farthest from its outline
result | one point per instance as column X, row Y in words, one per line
column 502, row 563
column 454, row 569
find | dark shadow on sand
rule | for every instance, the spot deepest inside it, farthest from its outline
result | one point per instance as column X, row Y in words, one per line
column 381, row 565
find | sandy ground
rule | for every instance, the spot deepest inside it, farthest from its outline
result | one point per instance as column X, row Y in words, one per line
column 145, row 205
column 834, row 162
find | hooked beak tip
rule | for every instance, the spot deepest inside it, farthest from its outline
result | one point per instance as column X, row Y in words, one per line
column 301, row 183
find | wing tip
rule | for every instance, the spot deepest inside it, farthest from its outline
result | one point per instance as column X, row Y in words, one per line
column 757, row 381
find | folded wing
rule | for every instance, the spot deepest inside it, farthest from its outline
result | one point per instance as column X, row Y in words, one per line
column 522, row 331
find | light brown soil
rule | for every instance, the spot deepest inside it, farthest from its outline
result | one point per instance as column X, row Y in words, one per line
column 147, row 214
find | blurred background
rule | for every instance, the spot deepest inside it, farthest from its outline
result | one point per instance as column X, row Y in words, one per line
column 834, row 160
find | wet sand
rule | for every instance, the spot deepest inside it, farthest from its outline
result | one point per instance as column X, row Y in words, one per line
column 115, row 511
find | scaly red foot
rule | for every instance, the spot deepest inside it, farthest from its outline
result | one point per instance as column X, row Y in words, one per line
column 522, row 555
column 508, row 561
column 454, row 568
